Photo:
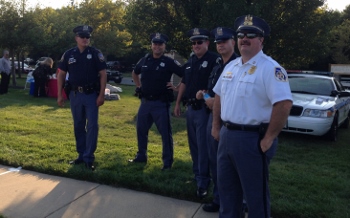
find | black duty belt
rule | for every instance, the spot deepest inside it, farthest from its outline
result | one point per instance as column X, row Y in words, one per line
column 78, row 89
column 251, row 128
column 87, row 89
column 151, row 97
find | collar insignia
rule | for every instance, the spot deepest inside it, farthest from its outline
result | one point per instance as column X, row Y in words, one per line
column 252, row 70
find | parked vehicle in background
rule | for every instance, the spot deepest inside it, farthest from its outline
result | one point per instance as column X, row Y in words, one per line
column 114, row 75
column 116, row 65
column 320, row 104
column 29, row 61
column 26, row 67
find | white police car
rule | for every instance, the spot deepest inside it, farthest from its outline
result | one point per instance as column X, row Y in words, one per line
column 320, row 104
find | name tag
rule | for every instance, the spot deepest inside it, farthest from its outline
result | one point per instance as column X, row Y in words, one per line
column 228, row 76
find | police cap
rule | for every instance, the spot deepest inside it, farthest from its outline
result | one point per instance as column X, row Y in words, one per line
column 252, row 23
column 159, row 37
column 83, row 30
column 198, row 33
column 222, row 33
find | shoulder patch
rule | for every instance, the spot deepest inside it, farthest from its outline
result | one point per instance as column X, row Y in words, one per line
column 100, row 56
column 280, row 75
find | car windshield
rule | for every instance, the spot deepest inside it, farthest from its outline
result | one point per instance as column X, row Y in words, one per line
column 311, row 85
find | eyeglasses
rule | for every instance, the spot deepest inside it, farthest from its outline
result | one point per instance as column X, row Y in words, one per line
column 248, row 35
column 197, row 42
column 86, row 37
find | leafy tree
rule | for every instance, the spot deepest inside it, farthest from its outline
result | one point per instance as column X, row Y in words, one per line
column 106, row 18
column 341, row 43
column 300, row 28
column 10, row 21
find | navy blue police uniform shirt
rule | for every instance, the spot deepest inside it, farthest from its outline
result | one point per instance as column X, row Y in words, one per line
column 215, row 74
column 83, row 68
column 197, row 72
column 156, row 73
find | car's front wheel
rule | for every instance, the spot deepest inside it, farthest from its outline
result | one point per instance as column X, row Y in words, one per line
column 118, row 80
column 333, row 131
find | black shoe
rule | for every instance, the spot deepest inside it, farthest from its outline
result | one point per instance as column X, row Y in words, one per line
column 138, row 160
column 76, row 162
column 211, row 207
column 90, row 166
column 201, row 193
column 166, row 168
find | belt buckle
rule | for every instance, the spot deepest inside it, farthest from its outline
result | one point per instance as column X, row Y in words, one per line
column 80, row 89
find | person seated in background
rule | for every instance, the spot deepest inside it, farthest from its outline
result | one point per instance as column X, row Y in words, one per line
column 41, row 75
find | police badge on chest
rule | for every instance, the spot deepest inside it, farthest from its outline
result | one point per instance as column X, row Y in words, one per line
column 205, row 64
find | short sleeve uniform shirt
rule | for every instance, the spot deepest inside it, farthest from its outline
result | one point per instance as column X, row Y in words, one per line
column 197, row 72
column 83, row 67
column 156, row 73
column 248, row 91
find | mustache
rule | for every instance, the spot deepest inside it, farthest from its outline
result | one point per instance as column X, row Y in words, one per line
column 245, row 42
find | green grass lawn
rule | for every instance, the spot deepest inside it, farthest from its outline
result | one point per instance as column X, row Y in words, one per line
column 309, row 176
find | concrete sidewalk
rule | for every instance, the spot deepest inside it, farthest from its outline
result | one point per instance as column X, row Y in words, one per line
column 26, row 193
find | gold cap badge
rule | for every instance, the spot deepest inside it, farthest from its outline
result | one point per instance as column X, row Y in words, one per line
column 196, row 31
column 219, row 31
column 248, row 20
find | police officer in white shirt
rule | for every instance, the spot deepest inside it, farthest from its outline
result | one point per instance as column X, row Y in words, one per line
column 253, row 100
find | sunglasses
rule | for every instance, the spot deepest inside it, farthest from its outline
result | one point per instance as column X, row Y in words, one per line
column 248, row 35
column 83, row 36
column 157, row 43
column 197, row 42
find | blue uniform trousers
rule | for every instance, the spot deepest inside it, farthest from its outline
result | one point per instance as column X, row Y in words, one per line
column 213, row 151
column 155, row 112
column 242, row 168
column 85, row 117
column 197, row 140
